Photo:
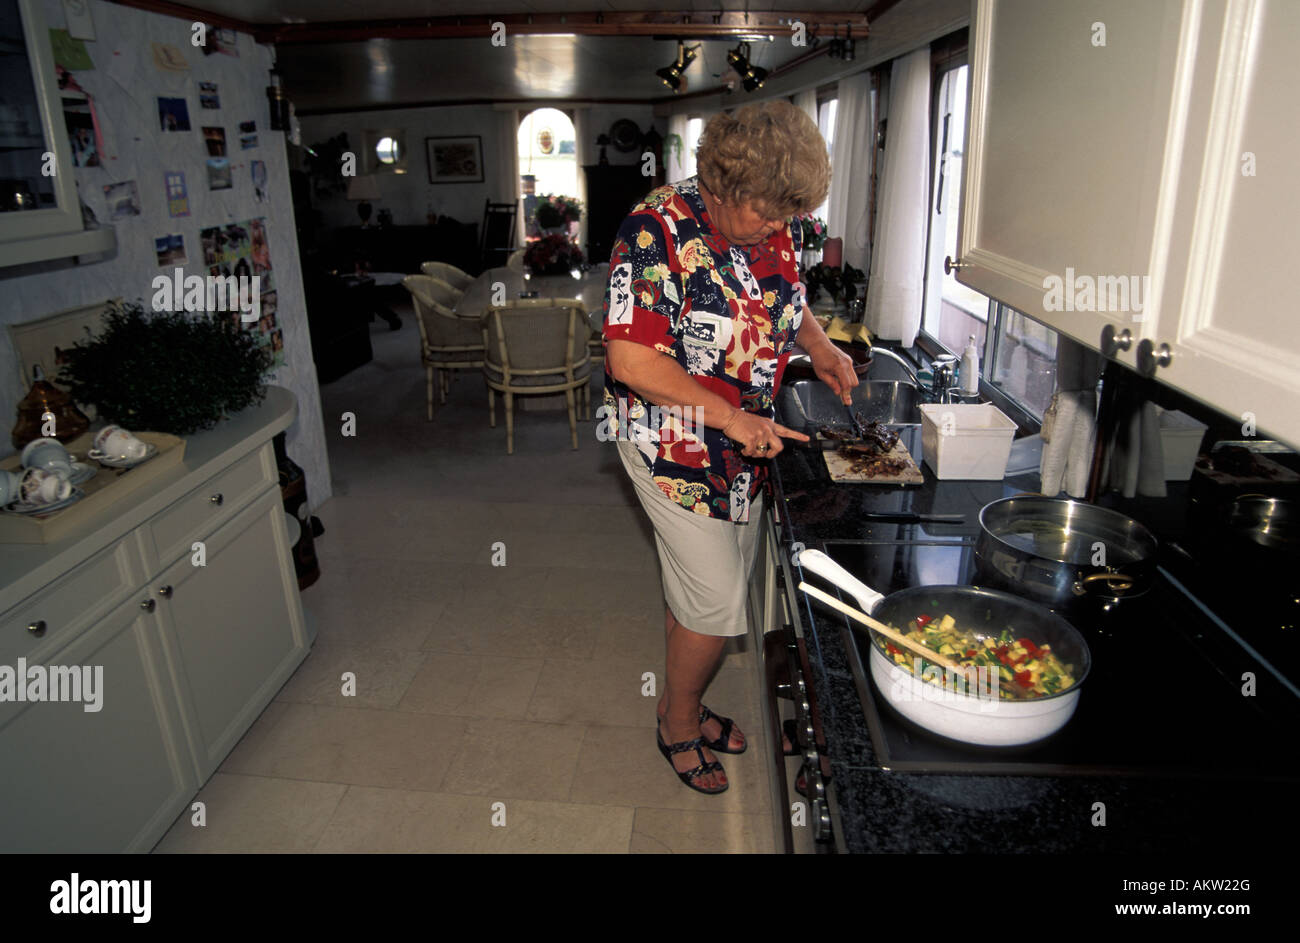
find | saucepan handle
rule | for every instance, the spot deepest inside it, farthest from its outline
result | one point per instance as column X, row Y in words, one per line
column 814, row 561
column 1118, row 582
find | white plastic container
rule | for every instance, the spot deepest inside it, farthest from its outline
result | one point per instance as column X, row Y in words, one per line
column 1180, row 440
column 970, row 441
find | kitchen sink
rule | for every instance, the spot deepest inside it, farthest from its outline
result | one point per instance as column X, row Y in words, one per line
column 808, row 403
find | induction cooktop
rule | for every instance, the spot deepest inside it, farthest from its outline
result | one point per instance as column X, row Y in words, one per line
column 1169, row 695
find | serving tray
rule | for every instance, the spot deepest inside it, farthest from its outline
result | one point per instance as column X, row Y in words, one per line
column 102, row 491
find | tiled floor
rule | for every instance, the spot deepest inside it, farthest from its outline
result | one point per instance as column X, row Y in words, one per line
column 497, row 709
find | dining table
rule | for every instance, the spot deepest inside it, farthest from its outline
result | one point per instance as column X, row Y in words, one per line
column 587, row 287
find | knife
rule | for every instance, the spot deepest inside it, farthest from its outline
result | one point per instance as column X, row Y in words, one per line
column 907, row 517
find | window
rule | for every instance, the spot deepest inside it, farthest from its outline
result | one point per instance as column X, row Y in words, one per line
column 1024, row 359
column 694, row 128
column 953, row 312
column 1017, row 354
column 826, row 125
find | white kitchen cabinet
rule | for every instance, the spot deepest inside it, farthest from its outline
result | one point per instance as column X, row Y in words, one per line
column 191, row 655
column 106, row 780
column 1116, row 170
column 233, row 630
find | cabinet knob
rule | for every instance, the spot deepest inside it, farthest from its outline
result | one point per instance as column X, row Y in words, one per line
column 218, row 499
column 37, row 628
column 148, row 605
column 1150, row 357
column 1112, row 342
column 165, row 592
column 950, row 264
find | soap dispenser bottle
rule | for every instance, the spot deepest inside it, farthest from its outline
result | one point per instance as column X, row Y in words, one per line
column 970, row 368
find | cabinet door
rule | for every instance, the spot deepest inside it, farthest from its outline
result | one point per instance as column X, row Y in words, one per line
column 233, row 630
column 1066, row 149
column 103, row 781
column 1229, row 320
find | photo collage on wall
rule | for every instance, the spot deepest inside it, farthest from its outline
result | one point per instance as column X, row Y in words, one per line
column 242, row 249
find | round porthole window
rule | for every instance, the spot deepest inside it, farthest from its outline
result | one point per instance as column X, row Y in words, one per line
column 388, row 150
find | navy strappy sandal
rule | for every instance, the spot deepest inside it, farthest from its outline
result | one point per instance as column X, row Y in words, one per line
column 723, row 743
column 690, row 775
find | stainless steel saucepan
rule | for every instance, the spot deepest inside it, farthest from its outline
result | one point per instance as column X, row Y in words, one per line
column 1075, row 557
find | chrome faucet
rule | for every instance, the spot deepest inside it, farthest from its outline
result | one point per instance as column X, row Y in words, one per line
column 911, row 372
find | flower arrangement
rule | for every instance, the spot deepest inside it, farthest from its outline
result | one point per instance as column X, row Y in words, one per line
column 814, row 231
column 552, row 255
column 555, row 211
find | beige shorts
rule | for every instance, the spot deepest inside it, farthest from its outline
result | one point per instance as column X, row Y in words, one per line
column 705, row 563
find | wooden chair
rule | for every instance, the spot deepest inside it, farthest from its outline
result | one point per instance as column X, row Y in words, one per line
column 447, row 341
column 448, row 273
column 535, row 346
column 498, row 233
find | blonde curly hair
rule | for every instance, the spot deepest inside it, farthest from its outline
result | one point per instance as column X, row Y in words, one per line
column 769, row 155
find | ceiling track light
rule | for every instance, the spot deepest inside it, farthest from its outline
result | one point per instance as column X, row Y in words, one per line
column 751, row 76
column 846, row 50
column 671, row 75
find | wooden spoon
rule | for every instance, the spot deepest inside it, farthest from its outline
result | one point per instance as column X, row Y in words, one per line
column 898, row 638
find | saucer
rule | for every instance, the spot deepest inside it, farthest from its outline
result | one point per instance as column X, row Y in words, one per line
column 19, row 507
column 150, row 452
column 81, row 473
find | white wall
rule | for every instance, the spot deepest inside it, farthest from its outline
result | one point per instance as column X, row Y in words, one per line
column 137, row 150
column 409, row 195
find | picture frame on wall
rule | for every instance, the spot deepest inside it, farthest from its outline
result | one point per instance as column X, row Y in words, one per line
column 455, row 159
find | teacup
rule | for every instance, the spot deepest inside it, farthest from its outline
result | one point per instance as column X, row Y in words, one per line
column 116, row 444
column 10, row 487
column 49, row 455
column 43, row 487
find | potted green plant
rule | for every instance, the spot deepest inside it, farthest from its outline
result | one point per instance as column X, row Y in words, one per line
column 177, row 372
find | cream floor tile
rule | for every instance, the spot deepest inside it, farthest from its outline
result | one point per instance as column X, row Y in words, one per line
column 670, row 831
column 380, row 677
column 603, row 589
column 473, row 686
column 361, row 747
column 255, row 815
column 503, row 629
column 623, row 766
column 514, row 584
column 605, row 691
column 388, row 820
column 632, row 633
column 516, row 759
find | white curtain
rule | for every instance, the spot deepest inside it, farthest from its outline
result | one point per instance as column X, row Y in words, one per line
column 505, row 184
column 894, row 292
column 582, row 150
column 807, row 101
column 851, row 153
column 676, row 159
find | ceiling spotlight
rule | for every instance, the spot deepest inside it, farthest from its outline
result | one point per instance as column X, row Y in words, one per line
column 837, row 46
column 752, row 77
column 846, row 50
column 672, row 75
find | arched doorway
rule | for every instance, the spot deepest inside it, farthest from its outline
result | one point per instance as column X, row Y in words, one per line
column 548, row 161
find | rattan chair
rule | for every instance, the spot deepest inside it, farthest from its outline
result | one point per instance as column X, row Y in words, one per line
column 447, row 341
column 453, row 276
column 535, row 346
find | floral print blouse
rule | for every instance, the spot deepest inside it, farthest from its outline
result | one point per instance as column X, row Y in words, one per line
column 728, row 314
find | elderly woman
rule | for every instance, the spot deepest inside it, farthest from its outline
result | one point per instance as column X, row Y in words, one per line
column 704, row 302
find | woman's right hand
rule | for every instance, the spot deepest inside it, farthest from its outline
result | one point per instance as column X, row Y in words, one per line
column 758, row 436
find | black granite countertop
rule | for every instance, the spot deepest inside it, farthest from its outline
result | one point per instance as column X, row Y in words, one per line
column 879, row 810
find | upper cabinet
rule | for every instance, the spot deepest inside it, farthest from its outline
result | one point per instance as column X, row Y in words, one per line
column 40, row 215
column 1128, row 181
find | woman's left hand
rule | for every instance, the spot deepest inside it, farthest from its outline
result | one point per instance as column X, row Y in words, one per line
column 834, row 368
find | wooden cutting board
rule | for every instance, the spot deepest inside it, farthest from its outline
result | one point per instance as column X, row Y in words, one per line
column 841, row 469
